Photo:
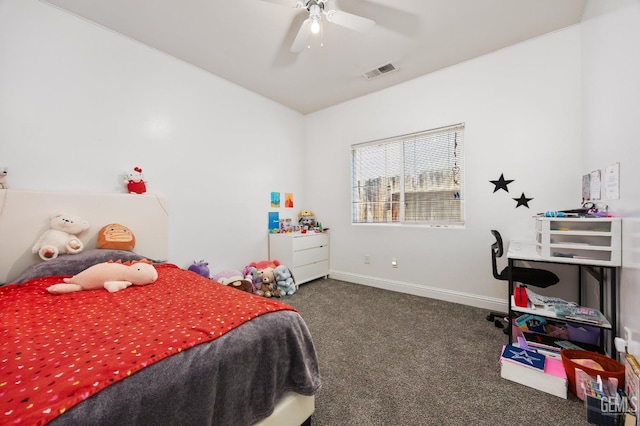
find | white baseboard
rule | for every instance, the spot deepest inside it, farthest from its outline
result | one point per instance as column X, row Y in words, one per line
column 489, row 303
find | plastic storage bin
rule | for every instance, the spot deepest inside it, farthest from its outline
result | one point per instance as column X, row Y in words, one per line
column 612, row 368
column 583, row 333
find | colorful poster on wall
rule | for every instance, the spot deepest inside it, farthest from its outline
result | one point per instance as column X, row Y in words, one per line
column 275, row 199
column 288, row 200
column 274, row 220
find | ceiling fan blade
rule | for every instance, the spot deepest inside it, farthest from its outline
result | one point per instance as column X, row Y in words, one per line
column 287, row 3
column 303, row 36
column 349, row 20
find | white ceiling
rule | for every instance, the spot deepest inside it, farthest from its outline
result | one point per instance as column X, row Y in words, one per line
column 248, row 41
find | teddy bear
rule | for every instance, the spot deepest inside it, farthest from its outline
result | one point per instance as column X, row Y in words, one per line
column 135, row 182
column 61, row 237
column 284, row 280
column 265, row 286
column 3, row 177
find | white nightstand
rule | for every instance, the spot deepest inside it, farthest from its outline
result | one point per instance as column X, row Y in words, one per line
column 307, row 255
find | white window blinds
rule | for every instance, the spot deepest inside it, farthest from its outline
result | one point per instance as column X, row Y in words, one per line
column 416, row 178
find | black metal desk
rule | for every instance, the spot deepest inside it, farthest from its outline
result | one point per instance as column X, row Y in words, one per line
column 526, row 251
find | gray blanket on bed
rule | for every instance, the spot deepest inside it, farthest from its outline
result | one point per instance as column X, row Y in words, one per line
column 234, row 380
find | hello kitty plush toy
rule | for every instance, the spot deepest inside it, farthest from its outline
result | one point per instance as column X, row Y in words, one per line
column 135, row 182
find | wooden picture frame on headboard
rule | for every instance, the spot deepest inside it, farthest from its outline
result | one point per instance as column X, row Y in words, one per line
column 24, row 217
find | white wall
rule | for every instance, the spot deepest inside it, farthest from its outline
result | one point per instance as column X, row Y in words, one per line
column 80, row 104
column 611, row 106
column 521, row 106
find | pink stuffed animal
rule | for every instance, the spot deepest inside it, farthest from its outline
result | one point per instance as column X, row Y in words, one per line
column 112, row 276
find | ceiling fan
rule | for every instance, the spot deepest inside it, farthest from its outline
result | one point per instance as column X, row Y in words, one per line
column 312, row 25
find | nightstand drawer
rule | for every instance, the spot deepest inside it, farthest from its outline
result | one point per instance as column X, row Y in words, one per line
column 310, row 272
column 312, row 255
column 309, row 241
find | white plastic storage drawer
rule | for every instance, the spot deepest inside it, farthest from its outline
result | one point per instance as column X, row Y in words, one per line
column 584, row 240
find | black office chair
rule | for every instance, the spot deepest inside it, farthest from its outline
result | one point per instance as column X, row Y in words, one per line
column 525, row 276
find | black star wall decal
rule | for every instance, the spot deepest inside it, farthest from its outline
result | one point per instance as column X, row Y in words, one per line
column 523, row 201
column 501, row 183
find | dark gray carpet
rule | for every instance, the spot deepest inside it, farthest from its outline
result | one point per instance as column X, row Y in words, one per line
column 389, row 358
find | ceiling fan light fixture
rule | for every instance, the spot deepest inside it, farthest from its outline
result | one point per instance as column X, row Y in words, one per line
column 315, row 15
column 315, row 26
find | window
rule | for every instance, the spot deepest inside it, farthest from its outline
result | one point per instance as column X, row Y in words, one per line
column 416, row 178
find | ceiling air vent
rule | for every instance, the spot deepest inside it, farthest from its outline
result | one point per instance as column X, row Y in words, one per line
column 377, row 72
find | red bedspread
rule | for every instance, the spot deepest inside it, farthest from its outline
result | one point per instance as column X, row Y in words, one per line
column 56, row 351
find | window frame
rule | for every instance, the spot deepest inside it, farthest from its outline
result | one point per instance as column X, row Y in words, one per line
column 457, row 216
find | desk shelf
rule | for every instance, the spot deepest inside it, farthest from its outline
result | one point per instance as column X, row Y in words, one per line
column 545, row 313
column 530, row 251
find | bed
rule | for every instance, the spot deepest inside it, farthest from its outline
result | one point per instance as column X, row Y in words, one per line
column 184, row 350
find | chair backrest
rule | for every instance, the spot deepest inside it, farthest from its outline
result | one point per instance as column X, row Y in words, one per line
column 497, row 251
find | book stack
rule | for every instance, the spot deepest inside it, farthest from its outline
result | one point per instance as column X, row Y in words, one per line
column 580, row 313
column 533, row 369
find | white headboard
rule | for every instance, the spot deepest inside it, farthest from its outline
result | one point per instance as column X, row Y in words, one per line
column 24, row 216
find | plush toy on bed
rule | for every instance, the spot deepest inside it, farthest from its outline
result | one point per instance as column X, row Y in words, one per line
column 61, row 237
column 284, row 280
column 116, row 237
column 112, row 276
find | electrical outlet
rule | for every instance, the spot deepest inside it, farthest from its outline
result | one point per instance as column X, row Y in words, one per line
column 394, row 262
column 367, row 259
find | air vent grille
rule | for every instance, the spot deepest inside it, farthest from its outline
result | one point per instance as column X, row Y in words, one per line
column 378, row 71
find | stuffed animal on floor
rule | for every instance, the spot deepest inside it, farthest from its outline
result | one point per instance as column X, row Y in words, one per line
column 284, row 280
column 112, row 276
column 61, row 237
column 265, row 287
column 228, row 276
column 243, row 284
